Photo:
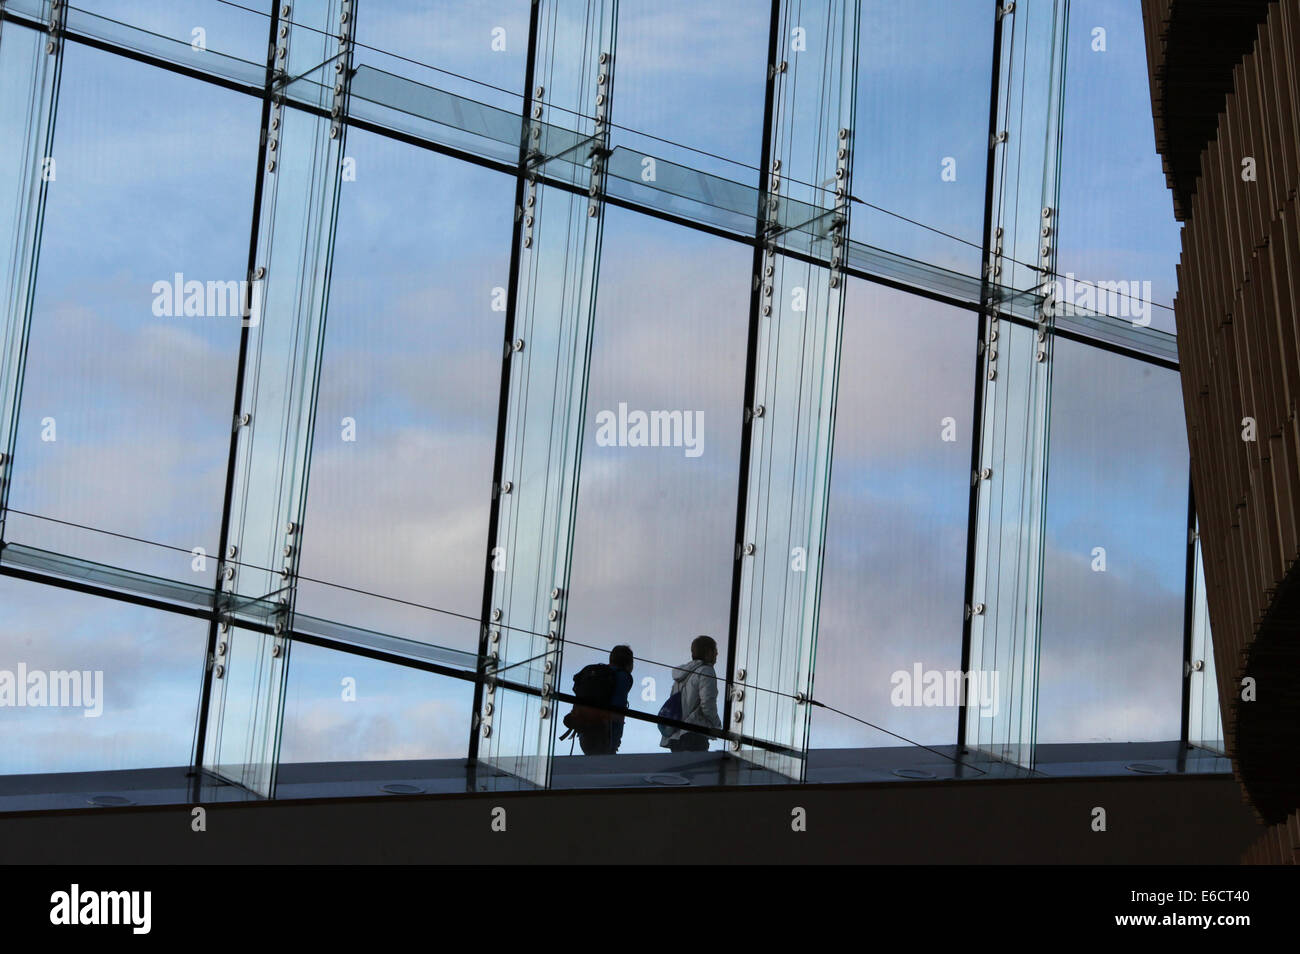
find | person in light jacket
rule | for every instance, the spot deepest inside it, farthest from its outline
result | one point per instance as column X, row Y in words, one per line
column 698, row 685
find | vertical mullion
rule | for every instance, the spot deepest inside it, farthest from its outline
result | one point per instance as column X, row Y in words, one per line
column 751, row 352
column 1189, row 595
column 548, row 369
column 19, row 273
column 987, row 308
column 503, row 402
column 292, row 250
column 228, row 494
column 1010, row 474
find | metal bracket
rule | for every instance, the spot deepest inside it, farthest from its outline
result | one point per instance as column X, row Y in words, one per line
column 841, row 218
column 1046, row 265
column 600, row 150
column 344, row 78
column 529, row 211
column 768, row 276
column 993, row 268
column 58, row 22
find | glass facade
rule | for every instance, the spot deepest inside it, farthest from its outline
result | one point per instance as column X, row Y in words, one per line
column 370, row 372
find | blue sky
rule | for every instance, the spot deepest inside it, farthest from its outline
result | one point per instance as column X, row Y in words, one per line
column 155, row 176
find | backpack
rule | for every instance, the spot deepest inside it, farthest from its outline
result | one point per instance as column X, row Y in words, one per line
column 593, row 685
column 671, row 709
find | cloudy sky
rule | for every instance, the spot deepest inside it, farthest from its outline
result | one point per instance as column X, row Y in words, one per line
column 155, row 176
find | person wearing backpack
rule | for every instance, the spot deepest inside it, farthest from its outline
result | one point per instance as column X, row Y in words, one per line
column 621, row 658
column 599, row 731
column 694, row 699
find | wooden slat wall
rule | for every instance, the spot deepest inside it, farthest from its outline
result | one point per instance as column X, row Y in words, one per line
column 1236, row 310
column 1192, row 45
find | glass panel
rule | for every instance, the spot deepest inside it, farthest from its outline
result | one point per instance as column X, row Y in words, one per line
column 125, row 418
column 48, row 564
column 1027, row 161
column 509, row 728
column 219, row 29
column 921, row 275
column 785, row 510
column 1115, row 566
column 476, row 48
column 1204, row 718
column 683, row 191
column 89, row 684
column 923, row 128
column 895, row 571
column 796, row 368
column 397, row 102
column 234, row 51
column 1008, row 575
column 1117, row 222
column 1005, row 601
column 532, row 548
column 29, row 76
column 712, row 56
column 243, row 728
column 401, row 481
column 386, row 642
column 289, row 288
column 281, row 363
column 655, row 530
column 345, row 708
column 549, row 363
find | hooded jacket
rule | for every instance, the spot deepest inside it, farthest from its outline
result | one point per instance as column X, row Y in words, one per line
column 698, row 684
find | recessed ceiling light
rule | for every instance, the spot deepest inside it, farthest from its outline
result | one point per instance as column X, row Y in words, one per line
column 1146, row 768
column 668, row 779
column 401, row 788
column 105, row 801
column 913, row 773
